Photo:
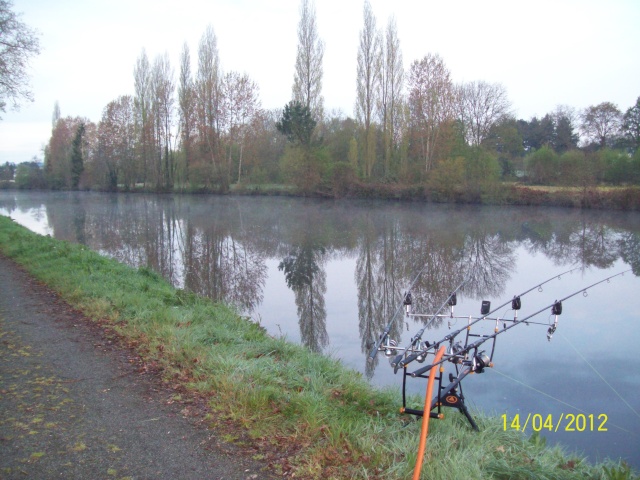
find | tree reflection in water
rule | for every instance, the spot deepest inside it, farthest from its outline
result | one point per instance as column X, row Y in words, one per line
column 219, row 247
column 305, row 276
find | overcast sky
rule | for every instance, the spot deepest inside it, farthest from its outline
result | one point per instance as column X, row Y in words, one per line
column 546, row 53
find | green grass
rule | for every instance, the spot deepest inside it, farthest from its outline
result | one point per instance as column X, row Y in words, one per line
column 314, row 416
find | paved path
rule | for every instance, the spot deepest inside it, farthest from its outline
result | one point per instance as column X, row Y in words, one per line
column 74, row 406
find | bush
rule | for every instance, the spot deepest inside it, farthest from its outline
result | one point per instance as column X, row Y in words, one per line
column 29, row 175
column 542, row 166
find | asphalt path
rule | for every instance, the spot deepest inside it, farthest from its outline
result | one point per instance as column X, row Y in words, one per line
column 75, row 405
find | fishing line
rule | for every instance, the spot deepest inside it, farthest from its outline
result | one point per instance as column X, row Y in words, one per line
column 554, row 398
column 600, row 375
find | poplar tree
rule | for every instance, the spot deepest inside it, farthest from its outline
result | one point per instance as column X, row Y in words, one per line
column 390, row 96
column 77, row 160
column 144, row 121
column 368, row 77
column 162, row 107
column 208, row 88
column 307, row 81
column 186, row 108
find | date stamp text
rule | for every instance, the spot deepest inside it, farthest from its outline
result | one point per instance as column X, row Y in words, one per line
column 567, row 422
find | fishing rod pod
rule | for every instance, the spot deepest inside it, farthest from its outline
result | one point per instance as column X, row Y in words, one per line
column 516, row 304
column 465, row 356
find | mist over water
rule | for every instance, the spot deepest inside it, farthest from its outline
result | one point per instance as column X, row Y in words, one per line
column 330, row 275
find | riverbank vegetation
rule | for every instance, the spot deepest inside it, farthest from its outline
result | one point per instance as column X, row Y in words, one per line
column 302, row 413
column 415, row 133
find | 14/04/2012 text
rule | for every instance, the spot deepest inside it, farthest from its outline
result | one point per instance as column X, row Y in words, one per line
column 568, row 422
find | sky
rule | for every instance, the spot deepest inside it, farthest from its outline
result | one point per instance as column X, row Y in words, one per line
column 545, row 53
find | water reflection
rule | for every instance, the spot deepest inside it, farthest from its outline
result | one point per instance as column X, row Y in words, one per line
column 218, row 247
column 304, row 275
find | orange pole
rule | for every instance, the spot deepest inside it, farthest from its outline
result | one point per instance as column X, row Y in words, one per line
column 425, row 416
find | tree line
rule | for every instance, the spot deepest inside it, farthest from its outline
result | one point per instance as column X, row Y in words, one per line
column 206, row 130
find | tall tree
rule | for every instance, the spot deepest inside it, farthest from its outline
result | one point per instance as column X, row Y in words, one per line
column 430, row 103
column 601, row 123
column 18, row 44
column 162, row 107
column 77, row 157
column 208, row 81
column 144, row 118
column 390, row 97
column 368, row 76
column 565, row 137
column 240, row 103
column 307, row 81
column 58, row 152
column 480, row 106
column 56, row 115
column 186, row 108
column 116, row 144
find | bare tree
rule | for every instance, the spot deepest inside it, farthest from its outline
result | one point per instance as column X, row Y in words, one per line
column 208, row 81
column 601, row 123
column 115, row 145
column 240, row 103
column 368, row 76
column 18, row 43
column 307, row 81
column 163, row 106
column 390, row 96
column 480, row 106
column 430, row 102
column 144, row 119
column 186, row 108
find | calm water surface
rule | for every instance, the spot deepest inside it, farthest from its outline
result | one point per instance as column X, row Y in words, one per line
column 330, row 275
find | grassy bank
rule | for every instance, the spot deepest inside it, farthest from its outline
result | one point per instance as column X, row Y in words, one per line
column 305, row 413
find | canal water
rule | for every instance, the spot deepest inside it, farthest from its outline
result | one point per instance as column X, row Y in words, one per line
column 331, row 275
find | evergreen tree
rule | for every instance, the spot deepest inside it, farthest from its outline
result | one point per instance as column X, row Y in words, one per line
column 297, row 124
column 77, row 161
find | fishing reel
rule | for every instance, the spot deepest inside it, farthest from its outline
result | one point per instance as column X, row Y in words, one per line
column 480, row 361
column 453, row 352
column 424, row 346
column 389, row 348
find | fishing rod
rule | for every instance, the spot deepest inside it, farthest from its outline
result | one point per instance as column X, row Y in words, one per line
column 451, row 302
column 384, row 336
column 516, row 304
column 480, row 361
